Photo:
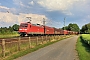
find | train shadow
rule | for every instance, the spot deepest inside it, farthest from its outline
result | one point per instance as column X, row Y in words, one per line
column 87, row 46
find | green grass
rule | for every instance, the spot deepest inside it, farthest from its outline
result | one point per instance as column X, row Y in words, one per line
column 15, row 34
column 9, row 36
column 83, row 49
column 86, row 36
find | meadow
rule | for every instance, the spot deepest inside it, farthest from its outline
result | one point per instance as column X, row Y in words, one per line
column 83, row 47
column 9, row 35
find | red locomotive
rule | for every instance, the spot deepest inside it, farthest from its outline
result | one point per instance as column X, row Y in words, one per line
column 32, row 29
column 28, row 28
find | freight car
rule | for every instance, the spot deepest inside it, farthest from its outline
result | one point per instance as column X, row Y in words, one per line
column 60, row 32
column 32, row 29
column 57, row 31
column 49, row 30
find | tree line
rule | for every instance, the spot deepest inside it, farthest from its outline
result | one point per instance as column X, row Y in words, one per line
column 71, row 27
column 74, row 27
column 9, row 30
column 86, row 29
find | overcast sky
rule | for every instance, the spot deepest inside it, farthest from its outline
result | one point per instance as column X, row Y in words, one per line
column 54, row 12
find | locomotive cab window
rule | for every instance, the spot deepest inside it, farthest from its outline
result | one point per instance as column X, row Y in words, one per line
column 24, row 25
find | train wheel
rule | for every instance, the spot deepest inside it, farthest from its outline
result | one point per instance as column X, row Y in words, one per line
column 28, row 35
column 22, row 35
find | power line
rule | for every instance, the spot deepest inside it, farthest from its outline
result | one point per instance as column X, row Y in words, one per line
column 53, row 22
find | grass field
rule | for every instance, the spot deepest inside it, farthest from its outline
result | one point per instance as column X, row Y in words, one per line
column 14, row 34
column 86, row 37
column 83, row 48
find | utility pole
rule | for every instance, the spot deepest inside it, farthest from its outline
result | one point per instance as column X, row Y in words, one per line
column 29, row 19
column 64, row 23
column 44, row 24
column 79, row 31
column 44, row 21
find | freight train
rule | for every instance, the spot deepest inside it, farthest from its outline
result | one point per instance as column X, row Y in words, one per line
column 32, row 29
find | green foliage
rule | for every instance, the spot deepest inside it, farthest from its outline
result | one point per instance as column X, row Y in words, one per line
column 9, row 30
column 86, row 28
column 72, row 27
column 86, row 38
column 15, row 27
column 65, row 28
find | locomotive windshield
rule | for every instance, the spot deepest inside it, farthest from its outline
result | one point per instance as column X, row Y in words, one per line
column 23, row 25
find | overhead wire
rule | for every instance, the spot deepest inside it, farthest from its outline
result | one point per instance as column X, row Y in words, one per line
column 54, row 23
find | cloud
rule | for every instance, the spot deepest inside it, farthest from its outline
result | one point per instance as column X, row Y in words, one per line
column 57, row 4
column 35, row 18
column 31, row 3
column 65, row 6
column 9, row 19
column 8, row 10
column 86, row 19
column 23, row 3
column 3, row 7
column 88, row 16
column 17, row 2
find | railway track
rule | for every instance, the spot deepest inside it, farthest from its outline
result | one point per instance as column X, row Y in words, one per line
column 33, row 38
column 26, row 37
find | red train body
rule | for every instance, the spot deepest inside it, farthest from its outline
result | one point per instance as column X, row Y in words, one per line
column 57, row 31
column 49, row 30
column 31, row 29
column 28, row 28
column 65, row 32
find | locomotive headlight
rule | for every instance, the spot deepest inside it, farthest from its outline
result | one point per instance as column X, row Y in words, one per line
column 20, row 29
column 25, row 29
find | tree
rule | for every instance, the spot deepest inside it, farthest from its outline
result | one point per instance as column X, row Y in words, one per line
column 86, row 28
column 73, row 27
column 15, row 27
column 10, row 29
column 65, row 28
